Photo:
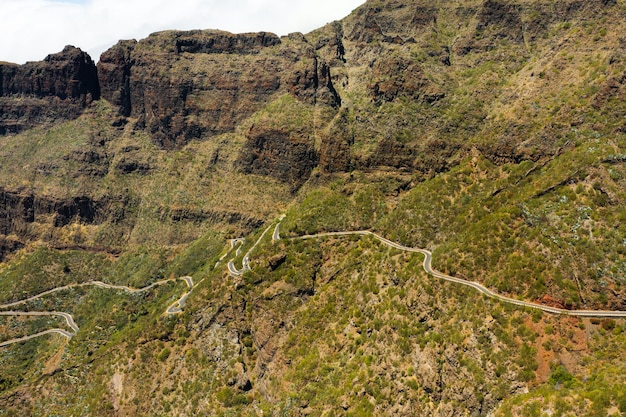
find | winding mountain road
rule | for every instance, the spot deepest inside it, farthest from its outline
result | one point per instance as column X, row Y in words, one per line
column 35, row 335
column 428, row 256
column 427, row 265
column 173, row 309
column 233, row 242
column 245, row 263
column 68, row 317
column 276, row 235
column 178, row 305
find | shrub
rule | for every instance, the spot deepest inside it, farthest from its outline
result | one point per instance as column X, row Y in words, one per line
column 165, row 353
column 560, row 376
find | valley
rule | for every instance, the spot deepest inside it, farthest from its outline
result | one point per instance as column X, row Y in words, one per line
column 418, row 209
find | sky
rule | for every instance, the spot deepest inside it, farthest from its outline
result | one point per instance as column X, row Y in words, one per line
column 32, row 29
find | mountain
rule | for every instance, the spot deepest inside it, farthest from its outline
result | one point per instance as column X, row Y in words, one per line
column 490, row 133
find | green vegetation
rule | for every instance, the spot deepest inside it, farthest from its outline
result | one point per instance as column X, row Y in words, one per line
column 528, row 229
column 46, row 269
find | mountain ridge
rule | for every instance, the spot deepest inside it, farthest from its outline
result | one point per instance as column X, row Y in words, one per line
column 490, row 133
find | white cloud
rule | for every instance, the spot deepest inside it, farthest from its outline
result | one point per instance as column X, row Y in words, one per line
column 31, row 29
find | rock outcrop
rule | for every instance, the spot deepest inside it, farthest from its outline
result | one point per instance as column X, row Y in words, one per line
column 19, row 210
column 401, row 76
column 490, row 131
column 191, row 85
column 335, row 154
column 57, row 88
column 286, row 156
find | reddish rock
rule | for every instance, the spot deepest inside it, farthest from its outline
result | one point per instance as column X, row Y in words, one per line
column 550, row 301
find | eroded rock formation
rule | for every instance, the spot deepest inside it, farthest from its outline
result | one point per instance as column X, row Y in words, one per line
column 57, row 88
column 193, row 85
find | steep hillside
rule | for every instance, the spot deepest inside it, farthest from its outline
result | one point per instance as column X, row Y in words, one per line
column 491, row 133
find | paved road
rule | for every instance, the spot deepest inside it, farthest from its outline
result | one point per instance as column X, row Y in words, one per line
column 233, row 242
column 233, row 270
column 177, row 307
column 43, row 294
column 428, row 256
column 276, row 235
column 94, row 284
column 245, row 263
column 173, row 309
column 68, row 318
column 32, row 336
column 427, row 265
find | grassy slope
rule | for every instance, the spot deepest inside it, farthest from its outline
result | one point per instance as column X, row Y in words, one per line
column 342, row 326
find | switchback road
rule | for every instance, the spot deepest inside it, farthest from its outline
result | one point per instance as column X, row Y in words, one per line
column 427, row 265
column 173, row 309
column 245, row 263
column 177, row 306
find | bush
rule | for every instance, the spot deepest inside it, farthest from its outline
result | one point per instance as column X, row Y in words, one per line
column 165, row 353
column 560, row 376
column 229, row 398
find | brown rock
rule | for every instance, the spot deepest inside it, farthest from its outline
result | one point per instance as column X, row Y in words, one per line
column 393, row 153
column 69, row 74
column 497, row 21
column 286, row 156
column 335, row 155
column 9, row 245
column 277, row 260
column 114, row 75
column 394, row 76
column 57, row 88
column 330, row 44
column 191, row 85
column 19, row 210
column 396, row 22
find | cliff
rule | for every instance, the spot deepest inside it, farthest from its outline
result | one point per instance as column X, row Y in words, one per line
column 196, row 85
column 55, row 89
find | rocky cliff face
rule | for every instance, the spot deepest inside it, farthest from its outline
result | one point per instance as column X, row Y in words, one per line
column 22, row 213
column 57, row 88
column 407, row 87
column 194, row 85
column 285, row 156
